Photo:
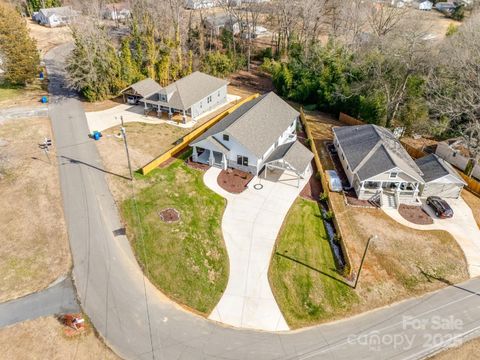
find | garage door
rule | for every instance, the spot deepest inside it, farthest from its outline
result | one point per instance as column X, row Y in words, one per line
column 451, row 191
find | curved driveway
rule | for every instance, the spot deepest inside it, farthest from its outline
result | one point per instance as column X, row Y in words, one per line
column 250, row 227
column 137, row 322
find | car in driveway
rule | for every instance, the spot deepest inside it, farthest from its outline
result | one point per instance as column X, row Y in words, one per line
column 334, row 182
column 440, row 207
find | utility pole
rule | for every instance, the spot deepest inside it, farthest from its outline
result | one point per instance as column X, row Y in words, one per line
column 374, row 237
column 124, row 135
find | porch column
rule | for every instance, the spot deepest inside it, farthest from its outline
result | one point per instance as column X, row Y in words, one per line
column 211, row 159
column 159, row 112
column 194, row 154
column 170, row 113
column 362, row 185
column 266, row 169
column 184, row 117
column 224, row 162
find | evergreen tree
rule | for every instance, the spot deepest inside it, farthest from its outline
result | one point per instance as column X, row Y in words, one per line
column 19, row 52
column 35, row 5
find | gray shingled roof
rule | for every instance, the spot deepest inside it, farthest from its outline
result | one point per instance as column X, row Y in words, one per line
column 256, row 124
column 59, row 11
column 294, row 153
column 145, row 87
column 371, row 150
column 434, row 168
column 188, row 90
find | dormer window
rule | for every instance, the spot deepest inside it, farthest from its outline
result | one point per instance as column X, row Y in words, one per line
column 393, row 175
column 226, row 137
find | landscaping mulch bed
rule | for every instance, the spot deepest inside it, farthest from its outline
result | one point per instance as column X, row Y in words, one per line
column 169, row 215
column 195, row 165
column 233, row 180
column 353, row 200
column 313, row 189
column 415, row 214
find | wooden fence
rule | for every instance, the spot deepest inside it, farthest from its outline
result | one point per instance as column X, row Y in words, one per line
column 323, row 179
column 349, row 120
column 187, row 139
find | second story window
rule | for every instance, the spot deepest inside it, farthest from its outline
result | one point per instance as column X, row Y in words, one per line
column 209, row 100
column 393, row 175
column 226, row 137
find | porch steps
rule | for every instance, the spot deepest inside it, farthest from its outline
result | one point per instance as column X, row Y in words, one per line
column 389, row 201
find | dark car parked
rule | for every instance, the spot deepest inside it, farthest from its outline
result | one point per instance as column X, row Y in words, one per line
column 440, row 207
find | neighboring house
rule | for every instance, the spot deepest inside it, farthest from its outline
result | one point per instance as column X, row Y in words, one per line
column 425, row 5
column 139, row 90
column 217, row 22
column 445, row 7
column 200, row 4
column 379, row 168
column 456, row 153
column 377, row 165
column 440, row 178
column 53, row 17
column 189, row 97
column 259, row 134
column 117, row 11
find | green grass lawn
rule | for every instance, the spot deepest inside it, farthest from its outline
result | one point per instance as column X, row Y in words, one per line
column 302, row 273
column 187, row 260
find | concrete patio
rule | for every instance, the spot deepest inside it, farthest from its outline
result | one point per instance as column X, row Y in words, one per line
column 250, row 226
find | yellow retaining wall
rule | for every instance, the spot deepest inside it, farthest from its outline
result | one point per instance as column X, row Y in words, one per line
column 187, row 139
column 323, row 179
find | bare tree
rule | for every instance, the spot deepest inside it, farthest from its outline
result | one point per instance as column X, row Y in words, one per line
column 454, row 84
column 383, row 18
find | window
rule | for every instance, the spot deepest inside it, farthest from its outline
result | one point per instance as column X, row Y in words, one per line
column 343, row 157
column 226, row 137
column 242, row 160
column 218, row 93
column 209, row 99
column 393, row 175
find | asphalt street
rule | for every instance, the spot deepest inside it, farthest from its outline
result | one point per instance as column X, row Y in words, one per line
column 59, row 298
column 138, row 322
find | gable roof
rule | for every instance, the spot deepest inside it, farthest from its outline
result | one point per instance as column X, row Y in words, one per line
column 434, row 168
column 371, row 150
column 145, row 87
column 294, row 153
column 257, row 124
column 59, row 11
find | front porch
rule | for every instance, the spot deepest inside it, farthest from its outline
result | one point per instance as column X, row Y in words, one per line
column 209, row 157
column 389, row 193
column 168, row 113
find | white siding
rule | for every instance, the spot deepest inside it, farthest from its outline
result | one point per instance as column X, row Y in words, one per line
column 219, row 97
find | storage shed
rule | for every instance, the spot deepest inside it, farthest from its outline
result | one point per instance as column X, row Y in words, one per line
column 441, row 179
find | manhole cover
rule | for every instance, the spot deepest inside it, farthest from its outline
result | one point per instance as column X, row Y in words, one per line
column 169, row 215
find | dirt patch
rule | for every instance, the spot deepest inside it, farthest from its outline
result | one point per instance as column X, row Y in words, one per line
column 47, row 38
column 44, row 338
column 234, row 180
column 424, row 144
column 469, row 350
column 102, row 105
column 415, row 214
column 313, row 189
column 244, row 83
column 352, row 199
column 196, row 165
column 169, row 215
column 35, row 248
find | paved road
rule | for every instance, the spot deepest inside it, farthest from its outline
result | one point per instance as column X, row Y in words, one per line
column 137, row 322
column 22, row 112
column 56, row 299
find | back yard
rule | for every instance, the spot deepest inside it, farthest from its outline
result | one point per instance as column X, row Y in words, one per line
column 402, row 263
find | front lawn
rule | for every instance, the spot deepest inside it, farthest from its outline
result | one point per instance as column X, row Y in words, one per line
column 186, row 259
column 302, row 273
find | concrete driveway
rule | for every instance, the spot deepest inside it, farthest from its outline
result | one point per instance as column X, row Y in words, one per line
column 250, row 226
column 462, row 226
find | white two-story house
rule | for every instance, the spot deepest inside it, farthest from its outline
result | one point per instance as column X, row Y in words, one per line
column 260, row 133
column 190, row 97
